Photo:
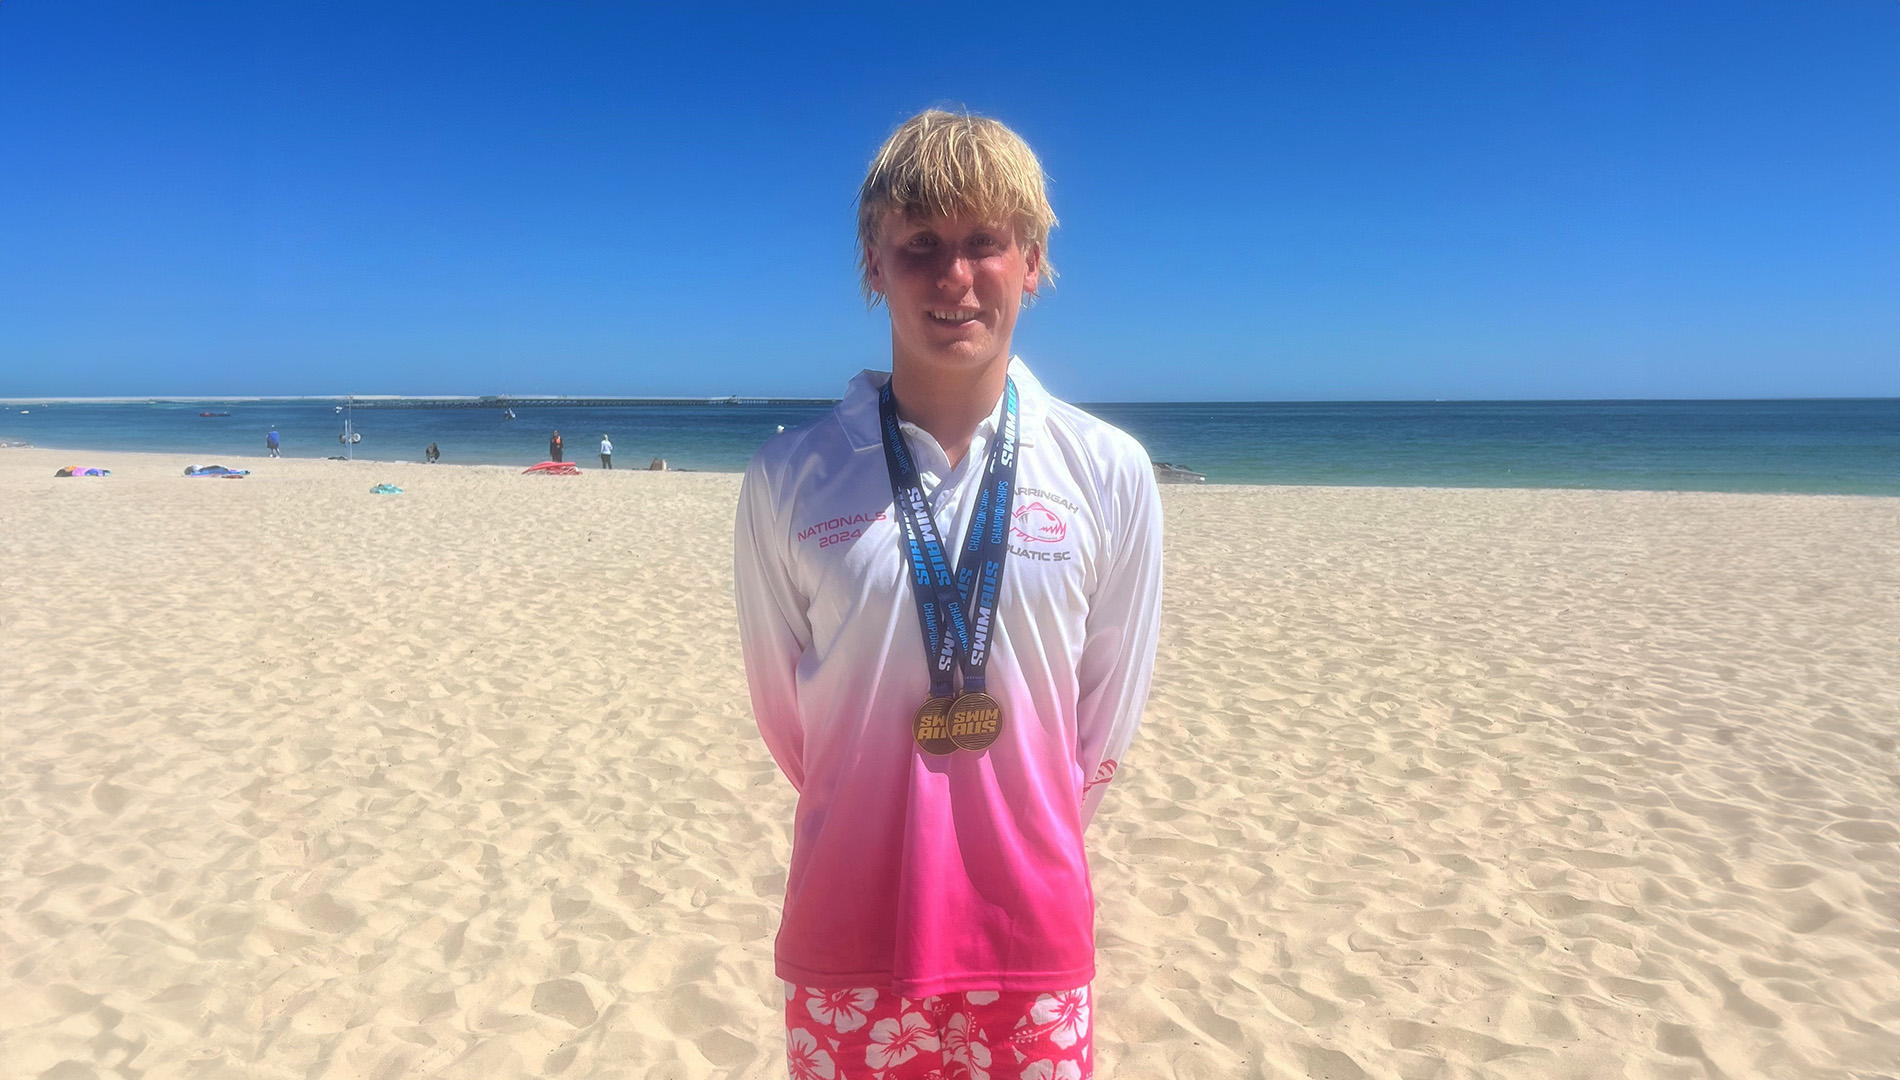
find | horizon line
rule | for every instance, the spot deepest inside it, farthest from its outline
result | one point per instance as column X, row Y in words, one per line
column 611, row 400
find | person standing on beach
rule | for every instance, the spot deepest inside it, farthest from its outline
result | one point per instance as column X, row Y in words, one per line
column 606, row 453
column 948, row 594
column 431, row 455
column 271, row 443
column 554, row 445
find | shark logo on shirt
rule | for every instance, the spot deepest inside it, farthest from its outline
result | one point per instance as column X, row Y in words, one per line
column 1038, row 524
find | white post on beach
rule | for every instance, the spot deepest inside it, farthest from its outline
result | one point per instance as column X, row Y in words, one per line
column 349, row 437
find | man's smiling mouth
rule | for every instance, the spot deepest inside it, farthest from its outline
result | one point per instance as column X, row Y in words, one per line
column 953, row 317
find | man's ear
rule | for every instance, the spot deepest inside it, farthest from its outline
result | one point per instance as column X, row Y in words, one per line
column 1032, row 274
column 873, row 271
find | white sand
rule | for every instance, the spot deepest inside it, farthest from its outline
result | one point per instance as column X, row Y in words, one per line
column 298, row 781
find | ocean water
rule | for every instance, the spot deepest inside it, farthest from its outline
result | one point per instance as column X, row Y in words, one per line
column 1837, row 446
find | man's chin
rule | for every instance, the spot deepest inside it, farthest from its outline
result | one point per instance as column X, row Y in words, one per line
column 961, row 359
column 971, row 351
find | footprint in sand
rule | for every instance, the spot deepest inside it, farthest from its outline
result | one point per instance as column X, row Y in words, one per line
column 425, row 1005
column 1866, row 832
column 1456, row 1042
column 1330, row 1064
column 327, row 913
column 1810, row 915
column 1789, row 875
column 565, row 999
column 108, row 797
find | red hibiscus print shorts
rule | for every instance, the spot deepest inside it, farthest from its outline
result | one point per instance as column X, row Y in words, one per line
column 868, row 1034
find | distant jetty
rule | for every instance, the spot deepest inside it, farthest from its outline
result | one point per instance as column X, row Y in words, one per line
column 509, row 402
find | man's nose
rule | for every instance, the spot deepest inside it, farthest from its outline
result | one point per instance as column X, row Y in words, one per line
column 957, row 271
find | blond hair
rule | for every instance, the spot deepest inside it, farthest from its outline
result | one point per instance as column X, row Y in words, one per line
column 954, row 164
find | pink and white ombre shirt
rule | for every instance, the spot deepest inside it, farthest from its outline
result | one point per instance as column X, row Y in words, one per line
column 928, row 874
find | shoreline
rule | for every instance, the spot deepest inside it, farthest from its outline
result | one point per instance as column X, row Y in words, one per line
column 590, row 465
column 1844, row 447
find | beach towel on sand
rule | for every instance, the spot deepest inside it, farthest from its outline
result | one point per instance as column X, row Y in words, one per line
column 385, row 489
column 82, row 470
column 553, row 468
column 215, row 470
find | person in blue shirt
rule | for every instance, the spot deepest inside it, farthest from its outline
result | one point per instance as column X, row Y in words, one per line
column 271, row 442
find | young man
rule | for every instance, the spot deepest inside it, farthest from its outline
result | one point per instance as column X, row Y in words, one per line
column 606, row 452
column 948, row 594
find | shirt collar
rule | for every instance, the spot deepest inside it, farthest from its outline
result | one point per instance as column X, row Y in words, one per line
column 858, row 410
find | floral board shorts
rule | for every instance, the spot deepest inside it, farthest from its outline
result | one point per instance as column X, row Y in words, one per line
column 870, row 1034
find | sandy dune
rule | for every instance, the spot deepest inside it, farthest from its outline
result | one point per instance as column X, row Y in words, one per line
column 299, row 781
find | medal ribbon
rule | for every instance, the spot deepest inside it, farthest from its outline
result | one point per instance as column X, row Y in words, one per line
column 953, row 638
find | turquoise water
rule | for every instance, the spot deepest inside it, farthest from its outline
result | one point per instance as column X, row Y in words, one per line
column 1840, row 446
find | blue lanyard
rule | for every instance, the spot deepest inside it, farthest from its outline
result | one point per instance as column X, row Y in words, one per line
column 953, row 637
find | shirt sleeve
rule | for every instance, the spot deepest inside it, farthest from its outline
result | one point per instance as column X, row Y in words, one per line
column 774, row 630
column 1124, row 623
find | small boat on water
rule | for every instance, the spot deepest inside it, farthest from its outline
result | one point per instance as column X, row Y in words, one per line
column 214, row 414
column 1177, row 474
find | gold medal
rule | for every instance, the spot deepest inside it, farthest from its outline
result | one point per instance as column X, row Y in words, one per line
column 932, row 727
column 975, row 721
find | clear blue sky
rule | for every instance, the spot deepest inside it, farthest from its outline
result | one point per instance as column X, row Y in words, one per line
column 1324, row 200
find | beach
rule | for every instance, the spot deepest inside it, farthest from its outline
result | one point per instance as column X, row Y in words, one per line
column 301, row 781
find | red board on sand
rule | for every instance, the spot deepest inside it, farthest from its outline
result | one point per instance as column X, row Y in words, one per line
column 553, row 468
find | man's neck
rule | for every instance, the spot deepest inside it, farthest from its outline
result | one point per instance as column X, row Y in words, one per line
column 949, row 405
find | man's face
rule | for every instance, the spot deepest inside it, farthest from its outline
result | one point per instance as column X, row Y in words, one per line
column 954, row 287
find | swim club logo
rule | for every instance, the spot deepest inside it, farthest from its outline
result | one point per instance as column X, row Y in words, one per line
column 1037, row 524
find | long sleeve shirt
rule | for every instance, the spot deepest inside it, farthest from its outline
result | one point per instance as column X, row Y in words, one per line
column 966, row 872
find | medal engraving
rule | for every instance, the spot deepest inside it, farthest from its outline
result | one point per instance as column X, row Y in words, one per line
column 932, row 727
column 975, row 721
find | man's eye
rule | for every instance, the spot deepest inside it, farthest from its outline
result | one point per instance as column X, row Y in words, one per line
column 921, row 241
